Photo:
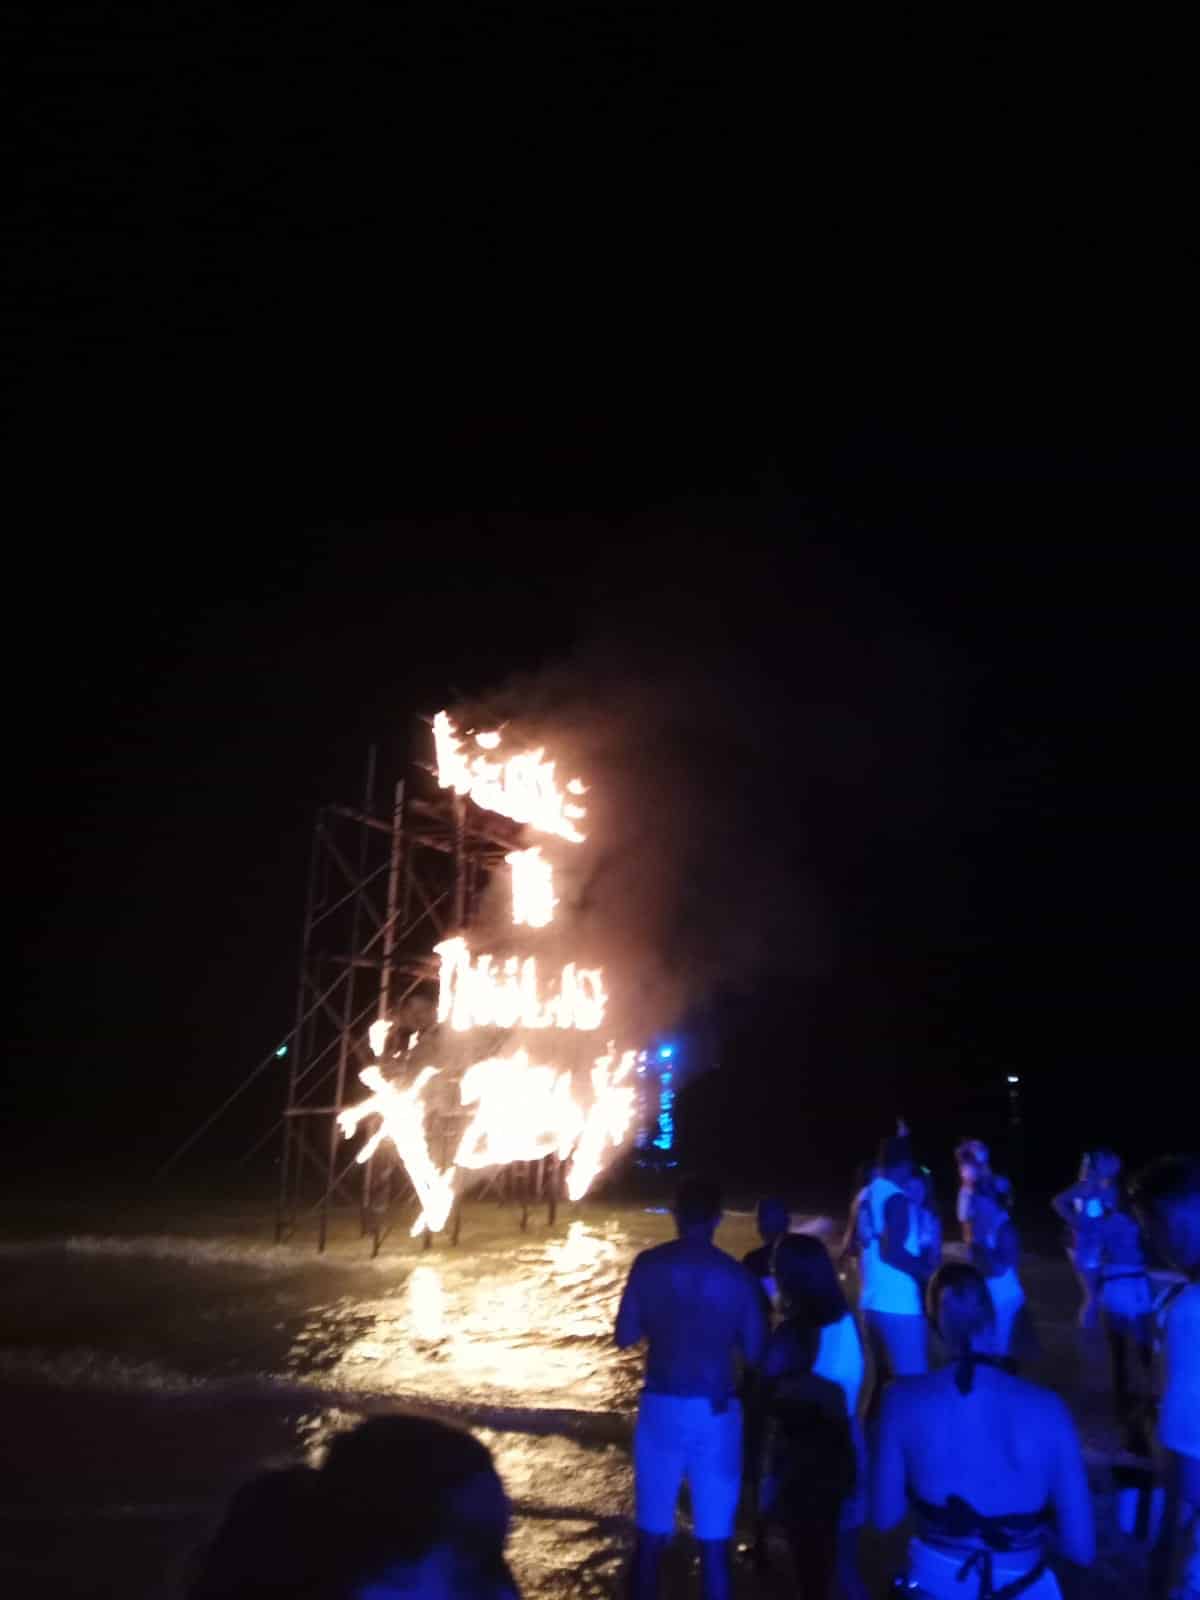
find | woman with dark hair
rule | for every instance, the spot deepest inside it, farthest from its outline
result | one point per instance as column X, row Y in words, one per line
column 989, row 1464
column 403, row 1505
column 813, row 1475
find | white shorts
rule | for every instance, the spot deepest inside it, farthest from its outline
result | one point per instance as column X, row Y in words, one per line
column 681, row 1437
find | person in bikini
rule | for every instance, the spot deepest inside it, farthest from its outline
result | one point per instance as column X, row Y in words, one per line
column 990, row 1465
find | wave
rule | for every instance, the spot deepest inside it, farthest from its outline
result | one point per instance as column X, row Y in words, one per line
column 86, row 1369
column 199, row 1253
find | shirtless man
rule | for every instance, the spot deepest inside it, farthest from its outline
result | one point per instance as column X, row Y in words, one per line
column 1167, row 1198
column 699, row 1311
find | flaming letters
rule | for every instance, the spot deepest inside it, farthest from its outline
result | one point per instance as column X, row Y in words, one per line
column 523, row 1110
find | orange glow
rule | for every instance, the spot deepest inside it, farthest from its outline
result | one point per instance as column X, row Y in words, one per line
column 523, row 787
column 608, row 1121
column 401, row 1114
column 481, row 992
column 533, row 897
column 524, row 1112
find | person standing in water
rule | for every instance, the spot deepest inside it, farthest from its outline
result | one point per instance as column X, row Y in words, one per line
column 893, row 1270
column 1083, row 1208
column 989, row 1465
column 774, row 1219
column 814, row 1476
column 700, row 1313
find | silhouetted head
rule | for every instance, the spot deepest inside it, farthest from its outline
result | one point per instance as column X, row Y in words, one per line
column 807, row 1281
column 1166, row 1197
column 896, row 1160
column 1105, row 1166
column 264, row 1545
column 972, row 1150
column 960, row 1307
column 698, row 1206
column 404, row 1505
column 773, row 1218
column 427, row 1508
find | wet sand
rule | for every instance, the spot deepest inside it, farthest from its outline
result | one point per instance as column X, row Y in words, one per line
column 145, row 1375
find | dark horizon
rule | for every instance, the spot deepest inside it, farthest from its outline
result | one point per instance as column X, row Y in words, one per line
column 353, row 377
column 992, row 865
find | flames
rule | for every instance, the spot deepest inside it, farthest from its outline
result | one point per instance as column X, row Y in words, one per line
column 523, row 788
column 482, row 992
column 521, row 1108
column 523, row 1112
column 533, row 897
column 401, row 1114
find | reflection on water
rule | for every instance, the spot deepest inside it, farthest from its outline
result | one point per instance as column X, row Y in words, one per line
column 534, row 1324
column 178, row 1368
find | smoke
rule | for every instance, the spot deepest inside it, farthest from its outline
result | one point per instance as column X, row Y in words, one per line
column 687, row 882
column 748, row 748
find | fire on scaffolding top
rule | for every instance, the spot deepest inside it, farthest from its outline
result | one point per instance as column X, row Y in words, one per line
column 522, row 787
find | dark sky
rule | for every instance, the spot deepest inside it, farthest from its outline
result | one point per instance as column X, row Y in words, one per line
column 353, row 373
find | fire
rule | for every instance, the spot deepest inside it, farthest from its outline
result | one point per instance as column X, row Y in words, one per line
column 607, row 1123
column 522, row 788
column 401, row 1114
column 519, row 1109
column 533, row 894
column 524, row 1112
column 480, row 992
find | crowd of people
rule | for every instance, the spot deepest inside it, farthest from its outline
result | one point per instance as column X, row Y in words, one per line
column 823, row 1392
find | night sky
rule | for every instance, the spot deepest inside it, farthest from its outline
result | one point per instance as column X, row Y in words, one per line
column 345, row 387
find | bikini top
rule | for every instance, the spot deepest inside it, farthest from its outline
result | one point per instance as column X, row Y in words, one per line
column 958, row 1521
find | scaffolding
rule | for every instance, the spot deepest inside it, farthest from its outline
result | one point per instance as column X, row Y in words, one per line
column 382, row 892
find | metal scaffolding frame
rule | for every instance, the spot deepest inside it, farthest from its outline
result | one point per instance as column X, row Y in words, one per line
column 381, row 894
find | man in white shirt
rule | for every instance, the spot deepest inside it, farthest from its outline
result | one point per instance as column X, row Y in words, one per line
column 1168, row 1201
column 893, row 1271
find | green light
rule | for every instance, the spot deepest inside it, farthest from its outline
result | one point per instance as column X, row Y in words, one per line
column 282, row 1051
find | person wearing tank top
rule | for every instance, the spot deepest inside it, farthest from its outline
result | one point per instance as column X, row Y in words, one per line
column 893, row 1271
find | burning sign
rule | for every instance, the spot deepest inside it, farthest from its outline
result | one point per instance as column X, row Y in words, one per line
column 521, row 1109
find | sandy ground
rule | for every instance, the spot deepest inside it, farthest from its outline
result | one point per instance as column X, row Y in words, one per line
column 145, row 1375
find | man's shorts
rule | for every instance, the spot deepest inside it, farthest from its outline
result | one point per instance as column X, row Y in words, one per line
column 681, row 1437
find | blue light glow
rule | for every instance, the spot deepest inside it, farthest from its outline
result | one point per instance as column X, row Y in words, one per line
column 666, row 1052
column 282, row 1051
column 666, row 1120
